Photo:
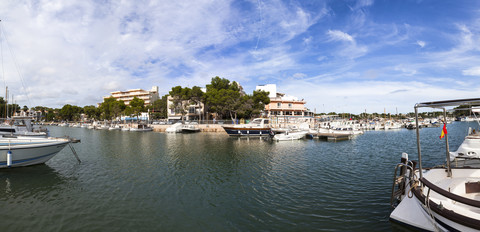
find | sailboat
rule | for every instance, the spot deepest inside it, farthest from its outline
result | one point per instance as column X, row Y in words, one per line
column 18, row 151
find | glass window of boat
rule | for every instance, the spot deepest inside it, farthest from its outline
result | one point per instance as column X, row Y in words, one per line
column 257, row 121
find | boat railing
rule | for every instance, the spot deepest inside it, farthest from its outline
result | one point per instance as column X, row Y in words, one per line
column 399, row 184
column 448, row 194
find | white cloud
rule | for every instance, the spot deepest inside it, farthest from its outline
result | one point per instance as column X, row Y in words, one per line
column 421, row 43
column 374, row 96
column 351, row 49
column 474, row 71
column 336, row 35
column 405, row 70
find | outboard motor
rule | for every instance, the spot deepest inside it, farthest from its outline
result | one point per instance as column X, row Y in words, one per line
column 271, row 134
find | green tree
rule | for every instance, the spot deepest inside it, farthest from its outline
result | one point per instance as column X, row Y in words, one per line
column 116, row 108
column 180, row 97
column 111, row 108
column 105, row 108
column 137, row 105
column 228, row 99
column 92, row 112
column 70, row 113
column 159, row 108
column 223, row 97
column 197, row 97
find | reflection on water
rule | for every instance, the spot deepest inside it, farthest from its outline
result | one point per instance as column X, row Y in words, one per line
column 37, row 180
column 183, row 182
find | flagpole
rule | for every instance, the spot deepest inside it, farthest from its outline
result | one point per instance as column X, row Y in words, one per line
column 449, row 170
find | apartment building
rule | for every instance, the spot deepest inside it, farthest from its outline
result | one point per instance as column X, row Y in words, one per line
column 126, row 96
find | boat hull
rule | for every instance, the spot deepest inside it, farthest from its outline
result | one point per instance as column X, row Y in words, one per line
column 290, row 136
column 190, row 131
column 141, row 130
column 27, row 154
column 238, row 131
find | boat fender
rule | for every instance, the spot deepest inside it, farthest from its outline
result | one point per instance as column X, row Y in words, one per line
column 9, row 158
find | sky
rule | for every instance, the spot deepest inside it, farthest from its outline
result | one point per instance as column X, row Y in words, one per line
column 339, row 56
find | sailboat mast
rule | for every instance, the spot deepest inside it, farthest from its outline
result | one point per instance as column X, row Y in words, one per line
column 6, row 101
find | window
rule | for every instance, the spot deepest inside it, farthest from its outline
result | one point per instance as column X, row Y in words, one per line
column 279, row 104
column 290, row 105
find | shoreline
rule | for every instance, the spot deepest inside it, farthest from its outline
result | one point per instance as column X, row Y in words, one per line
column 212, row 128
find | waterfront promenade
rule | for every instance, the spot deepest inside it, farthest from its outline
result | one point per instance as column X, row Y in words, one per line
column 203, row 128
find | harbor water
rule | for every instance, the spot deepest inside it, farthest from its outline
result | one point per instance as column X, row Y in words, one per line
column 133, row 181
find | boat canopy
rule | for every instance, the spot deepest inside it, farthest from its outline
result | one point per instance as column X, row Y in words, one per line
column 442, row 104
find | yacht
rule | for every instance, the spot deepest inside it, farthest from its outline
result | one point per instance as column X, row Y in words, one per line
column 21, row 126
column 190, row 128
column 26, row 151
column 470, row 148
column 257, row 127
column 444, row 197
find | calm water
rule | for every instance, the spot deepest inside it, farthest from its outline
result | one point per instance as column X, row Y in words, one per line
column 131, row 181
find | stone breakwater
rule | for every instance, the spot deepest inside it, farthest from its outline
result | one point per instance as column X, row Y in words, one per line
column 203, row 127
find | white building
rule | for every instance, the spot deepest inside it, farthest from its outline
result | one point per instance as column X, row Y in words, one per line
column 282, row 104
column 126, row 96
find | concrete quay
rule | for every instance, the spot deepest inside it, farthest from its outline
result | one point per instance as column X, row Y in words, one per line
column 215, row 128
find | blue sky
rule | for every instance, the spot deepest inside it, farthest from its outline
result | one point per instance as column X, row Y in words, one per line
column 342, row 56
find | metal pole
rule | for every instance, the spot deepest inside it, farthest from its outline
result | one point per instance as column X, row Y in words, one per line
column 418, row 143
column 449, row 170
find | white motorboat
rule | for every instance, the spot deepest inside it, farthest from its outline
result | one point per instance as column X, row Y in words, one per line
column 470, row 148
column 116, row 127
column 25, row 151
column 442, row 198
column 175, row 128
column 141, row 128
column 20, row 126
column 290, row 135
column 190, row 129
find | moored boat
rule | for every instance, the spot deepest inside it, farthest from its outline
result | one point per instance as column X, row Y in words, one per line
column 175, row 128
column 257, row 127
column 20, row 126
column 26, row 151
column 290, row 135
column 190, row 129
column 141, row 128
column 441, row 198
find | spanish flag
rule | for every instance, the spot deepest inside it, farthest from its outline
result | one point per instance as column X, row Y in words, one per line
column 444, row 131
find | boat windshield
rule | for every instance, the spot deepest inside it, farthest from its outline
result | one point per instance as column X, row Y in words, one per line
column 257, row 121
